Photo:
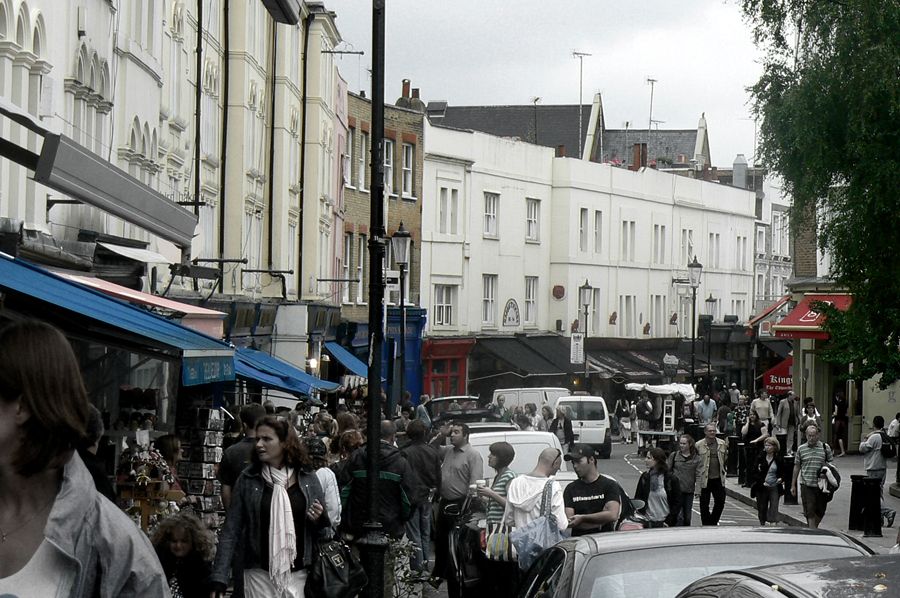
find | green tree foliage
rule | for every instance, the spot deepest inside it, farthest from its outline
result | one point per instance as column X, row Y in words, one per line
column 829, row 98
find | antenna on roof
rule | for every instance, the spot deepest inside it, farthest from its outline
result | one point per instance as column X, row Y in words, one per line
column 580, row 56
column 651, row 82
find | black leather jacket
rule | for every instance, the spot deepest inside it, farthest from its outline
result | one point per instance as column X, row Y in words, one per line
column 673, row 494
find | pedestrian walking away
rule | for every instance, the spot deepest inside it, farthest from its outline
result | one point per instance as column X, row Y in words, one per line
column 425, row 460
column 592, row 501
column 687, row 467
column 809, row 459
column 714, row 455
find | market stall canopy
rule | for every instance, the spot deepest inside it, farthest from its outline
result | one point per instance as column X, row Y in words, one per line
column 780, row 379
column 87, row 313
column 685, row 390
column 806, row 322
column 272, row 372
column 350, row 361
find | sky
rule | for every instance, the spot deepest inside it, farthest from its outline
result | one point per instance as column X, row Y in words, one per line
column 499, row 52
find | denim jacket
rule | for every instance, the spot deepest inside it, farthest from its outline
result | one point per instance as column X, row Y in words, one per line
column 108, row 555
column 242, row 522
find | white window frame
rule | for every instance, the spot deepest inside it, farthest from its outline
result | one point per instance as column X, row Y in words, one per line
column 489, row 299
column 532, row 219
column 444, row 299
column 388, row 167
column 713, row 253
column 363, row 152
column 531, row 294
column 360, row 268
column 583, row 229
column 345, row 267
column 598, row 231
column 628, row 234
column 491, row 214
column 409, row 156
column 348, row 159
column 659, row 244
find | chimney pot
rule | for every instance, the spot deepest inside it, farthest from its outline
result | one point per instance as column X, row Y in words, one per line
column 406, row 88
column 561, row 151
column 415, row 92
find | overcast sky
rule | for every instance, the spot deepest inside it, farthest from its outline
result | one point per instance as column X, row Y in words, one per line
column 495, row 52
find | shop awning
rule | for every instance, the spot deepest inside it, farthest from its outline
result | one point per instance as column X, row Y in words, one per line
column 350, row 361
column 519, row 357
column 768, row 311
column 804, row 321
column 136, row 254
column 35, row 292
column 779, row 379
column 272, row 372
column 207, row 321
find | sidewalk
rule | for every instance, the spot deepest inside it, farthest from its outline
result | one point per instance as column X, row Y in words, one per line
column 838, row 513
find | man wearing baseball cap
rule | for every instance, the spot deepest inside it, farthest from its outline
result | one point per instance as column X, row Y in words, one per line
column 592, row 501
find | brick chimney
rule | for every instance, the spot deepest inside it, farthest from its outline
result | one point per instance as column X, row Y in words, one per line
column 640, row 156
column 803, row 239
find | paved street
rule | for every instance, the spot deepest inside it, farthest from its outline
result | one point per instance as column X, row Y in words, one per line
column 626, row 466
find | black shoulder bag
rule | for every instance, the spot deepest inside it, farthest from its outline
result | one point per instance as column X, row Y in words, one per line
column 335, row 572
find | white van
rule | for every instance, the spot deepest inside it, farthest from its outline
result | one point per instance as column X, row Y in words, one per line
column 590, row 422
column 540, row 396
column 528, row 447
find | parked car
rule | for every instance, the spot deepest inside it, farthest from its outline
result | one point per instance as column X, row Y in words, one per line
column 659, row 563
column 842, row 578
column 590, row 422
column 470, row 409
column 540, row 396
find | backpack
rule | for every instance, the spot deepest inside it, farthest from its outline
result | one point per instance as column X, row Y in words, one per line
column 888, row 449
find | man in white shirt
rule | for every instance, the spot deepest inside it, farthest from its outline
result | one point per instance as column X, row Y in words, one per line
column 523, row 494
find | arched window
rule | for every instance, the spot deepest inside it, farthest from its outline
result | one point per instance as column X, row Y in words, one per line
column 4, row 24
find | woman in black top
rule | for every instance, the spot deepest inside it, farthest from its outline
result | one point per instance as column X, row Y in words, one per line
column 840, row 422
column 754, row 432
column 562, row 427
column 768, row 482
column 659, row 490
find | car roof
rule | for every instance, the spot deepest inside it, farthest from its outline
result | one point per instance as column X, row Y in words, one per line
column 593, row 544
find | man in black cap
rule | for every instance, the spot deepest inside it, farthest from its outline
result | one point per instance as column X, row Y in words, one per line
column 592, row 501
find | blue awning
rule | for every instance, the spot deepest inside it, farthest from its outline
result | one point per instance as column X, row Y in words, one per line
column 272, row 372
column 350, row 361
column 204, row 358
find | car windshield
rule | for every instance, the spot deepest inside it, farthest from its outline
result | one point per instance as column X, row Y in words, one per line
column 665, row 571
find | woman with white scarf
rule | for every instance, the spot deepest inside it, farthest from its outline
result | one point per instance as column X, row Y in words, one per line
column 276, row 511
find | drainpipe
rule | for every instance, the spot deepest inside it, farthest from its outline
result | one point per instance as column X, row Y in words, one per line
column 198, row 98
column 222, row 178
column 272, row 143
column 303, row 86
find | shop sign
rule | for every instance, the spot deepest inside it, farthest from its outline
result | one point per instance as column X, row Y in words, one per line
column 202, row 370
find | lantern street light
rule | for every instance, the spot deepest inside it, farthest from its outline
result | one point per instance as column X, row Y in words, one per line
column 584, row 293
column 710, row 307
column 694, row 270
column 400, row 243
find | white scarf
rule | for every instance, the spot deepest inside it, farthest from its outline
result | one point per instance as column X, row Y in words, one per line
column 282, row 539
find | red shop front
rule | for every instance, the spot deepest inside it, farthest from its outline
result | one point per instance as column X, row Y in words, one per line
column 445, row 366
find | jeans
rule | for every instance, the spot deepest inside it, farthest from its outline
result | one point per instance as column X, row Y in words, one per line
column 419, row 531
column 716, row 489
column 687, row 509
column 767, row 499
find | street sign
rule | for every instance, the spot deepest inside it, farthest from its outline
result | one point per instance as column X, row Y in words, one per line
column 576, row 352
column 392, row 281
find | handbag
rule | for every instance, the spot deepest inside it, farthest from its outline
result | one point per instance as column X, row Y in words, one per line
column 498, row 546
column 532, row 539
column 335, row 572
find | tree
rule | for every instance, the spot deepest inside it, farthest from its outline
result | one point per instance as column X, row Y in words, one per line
column 829, row 98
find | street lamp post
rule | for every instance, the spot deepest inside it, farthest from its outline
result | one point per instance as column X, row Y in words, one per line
column 694, row 269
column 400, row 243
column 710, row 306
column 584, row 293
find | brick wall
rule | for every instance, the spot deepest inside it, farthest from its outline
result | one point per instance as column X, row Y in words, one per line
column 803, row 237
column 403, row 126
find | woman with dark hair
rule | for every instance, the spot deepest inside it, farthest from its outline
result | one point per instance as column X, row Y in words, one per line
column 276, row 510
column 500, row 455
column 659, row 490
column 186, row 549
column 839, row 419
column 169, row 447
column 562, row 427
column 687, row 467
column 501, row 575
column 754, row 432
column 58, row 535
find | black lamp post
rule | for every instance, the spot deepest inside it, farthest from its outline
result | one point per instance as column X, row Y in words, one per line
column 584, row 294
column 694, row 269
column 710, row 306
column 401, row 242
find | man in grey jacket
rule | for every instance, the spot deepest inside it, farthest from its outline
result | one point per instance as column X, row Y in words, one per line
column 874, row 461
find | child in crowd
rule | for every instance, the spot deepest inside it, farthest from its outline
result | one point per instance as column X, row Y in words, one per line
column 185, row 548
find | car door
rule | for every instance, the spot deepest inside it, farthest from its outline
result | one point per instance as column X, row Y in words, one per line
column 542, row 578
column 594, row 420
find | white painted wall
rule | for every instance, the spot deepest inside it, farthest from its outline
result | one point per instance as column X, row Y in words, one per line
column 638, row 281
